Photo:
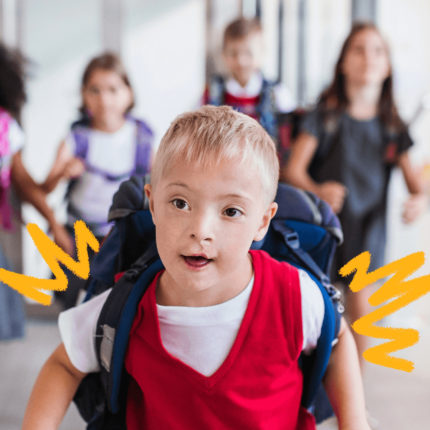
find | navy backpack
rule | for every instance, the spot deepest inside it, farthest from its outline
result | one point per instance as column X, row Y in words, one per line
column 304, row 232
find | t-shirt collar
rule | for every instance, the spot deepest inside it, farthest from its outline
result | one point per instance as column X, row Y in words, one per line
column 251, row 89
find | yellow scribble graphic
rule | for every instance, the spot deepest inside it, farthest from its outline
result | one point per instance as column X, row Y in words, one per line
column 398, row 293
column 29, row 286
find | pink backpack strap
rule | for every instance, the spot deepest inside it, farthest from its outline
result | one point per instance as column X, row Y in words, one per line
column 5, row 209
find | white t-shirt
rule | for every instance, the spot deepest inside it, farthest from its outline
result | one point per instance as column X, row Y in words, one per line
column 199, row 336
column 284, row 100
column 111, row 152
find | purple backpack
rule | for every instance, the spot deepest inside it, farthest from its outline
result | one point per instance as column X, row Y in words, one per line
column 5, row 160
column 144, row 140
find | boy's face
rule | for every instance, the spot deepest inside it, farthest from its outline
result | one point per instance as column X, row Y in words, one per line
column 206, row 220
column 243, row 57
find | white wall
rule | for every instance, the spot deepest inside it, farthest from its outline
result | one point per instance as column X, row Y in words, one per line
column 166, row 59
column 328, row 23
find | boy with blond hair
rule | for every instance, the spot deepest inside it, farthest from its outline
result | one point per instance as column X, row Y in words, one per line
column 217, row 336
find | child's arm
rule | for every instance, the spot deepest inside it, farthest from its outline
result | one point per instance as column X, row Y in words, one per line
column 65, row 166
column 418, row 200
column 52, row 393
column 411, row 175
column 343, row 383
column 296, row 173
column 31, row 192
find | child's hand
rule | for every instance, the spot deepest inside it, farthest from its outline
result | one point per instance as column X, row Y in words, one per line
column 414, row 207
column 62, row 238
column 74, row 168
column 333, row 193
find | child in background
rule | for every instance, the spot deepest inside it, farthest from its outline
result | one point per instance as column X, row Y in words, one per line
column 245, row 88
column 102, row 149
column 217, row 336
column 347, row 148
column 13, row 172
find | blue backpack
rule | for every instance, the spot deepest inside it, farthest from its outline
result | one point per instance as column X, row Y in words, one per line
column 305, row 232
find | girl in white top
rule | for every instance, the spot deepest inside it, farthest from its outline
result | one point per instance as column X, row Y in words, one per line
column 103, row 148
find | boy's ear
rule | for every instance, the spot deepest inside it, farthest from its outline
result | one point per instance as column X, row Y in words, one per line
column 265, row 222
column 149, row 196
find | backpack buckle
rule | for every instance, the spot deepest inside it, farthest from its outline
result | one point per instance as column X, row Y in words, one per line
column 335, row 295
column 292, row 239
column 106, row 346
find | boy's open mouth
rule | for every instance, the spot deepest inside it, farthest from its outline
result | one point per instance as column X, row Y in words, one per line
column 196, row 261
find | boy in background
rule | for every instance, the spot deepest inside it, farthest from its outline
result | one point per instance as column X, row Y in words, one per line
column 245, row 88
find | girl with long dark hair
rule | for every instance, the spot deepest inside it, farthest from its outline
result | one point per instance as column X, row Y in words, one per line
column 347, row 148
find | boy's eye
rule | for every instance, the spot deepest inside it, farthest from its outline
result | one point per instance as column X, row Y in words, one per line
column 180, row 204
column 232, row 212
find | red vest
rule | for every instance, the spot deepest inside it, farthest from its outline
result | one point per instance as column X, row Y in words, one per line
column 247, row 105
column 258, row 386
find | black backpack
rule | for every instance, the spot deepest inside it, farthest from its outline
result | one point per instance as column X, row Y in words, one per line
column 304, row 232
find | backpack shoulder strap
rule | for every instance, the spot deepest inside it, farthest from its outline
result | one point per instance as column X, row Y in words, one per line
column 331, row 126
column 81, row 138
column 115, row 321
column 267, row 108
column 79, row 133
column 288, row 130
column 144, row 140
column 101, row 396
column 315, row 365
column 216, row 89
column 305, row 232
column 268, row 93
column 394, row 143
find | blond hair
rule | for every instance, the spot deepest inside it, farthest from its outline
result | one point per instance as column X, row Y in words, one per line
column 211, row 134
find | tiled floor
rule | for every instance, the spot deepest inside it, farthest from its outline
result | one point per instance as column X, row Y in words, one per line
column 401, row 400
column 20, row 362
column 396, row 399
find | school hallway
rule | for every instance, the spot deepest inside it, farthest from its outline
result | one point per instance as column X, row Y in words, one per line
column 170, row 50
column 397, row 400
